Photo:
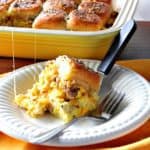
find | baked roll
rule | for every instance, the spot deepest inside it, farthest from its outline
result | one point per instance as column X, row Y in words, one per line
column 103, row 10
column 23, row 12
column 50, row 19
column 80, row 20
column 66, row 5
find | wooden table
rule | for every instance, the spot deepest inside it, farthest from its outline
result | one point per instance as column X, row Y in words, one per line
column 137, row 48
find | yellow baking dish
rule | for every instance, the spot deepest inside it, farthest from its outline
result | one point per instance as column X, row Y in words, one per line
column 39, row 43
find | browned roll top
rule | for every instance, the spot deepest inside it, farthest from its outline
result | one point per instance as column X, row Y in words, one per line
column 103, row 10
column 50, row 19
column 66, row 5
column 26, row 4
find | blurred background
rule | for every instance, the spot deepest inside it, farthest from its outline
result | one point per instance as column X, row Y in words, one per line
column 139, row 46
column 143, row 11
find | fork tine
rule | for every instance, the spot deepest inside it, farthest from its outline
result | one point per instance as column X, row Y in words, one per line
column 116, row 103
column 111, row 101
column 105, row 100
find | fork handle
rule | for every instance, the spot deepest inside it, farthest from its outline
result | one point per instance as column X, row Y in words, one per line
column 117, row 46
column 42, row 137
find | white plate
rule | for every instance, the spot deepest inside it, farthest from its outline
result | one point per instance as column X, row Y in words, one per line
column 132, row 113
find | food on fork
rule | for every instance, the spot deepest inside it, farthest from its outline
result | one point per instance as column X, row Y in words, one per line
column 66, row 88
column 80, row 20
column 66, row 5
column 23, row 12
column 50, row 19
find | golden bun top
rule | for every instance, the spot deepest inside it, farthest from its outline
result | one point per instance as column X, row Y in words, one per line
column 50, row 19
column 28, row 5
column 72, row 69
column 53, row 14
column 66, row 5
column 84, row 16
column 103, row 10
column 25, row 9
column 81, row 20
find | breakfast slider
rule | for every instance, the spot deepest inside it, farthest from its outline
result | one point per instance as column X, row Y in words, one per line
column 23, row 12
column 66, row 5
column 103, row 10
column 80, row 20
column 50, row 19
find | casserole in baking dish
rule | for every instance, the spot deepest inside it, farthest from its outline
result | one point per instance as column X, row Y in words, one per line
column 44, row 43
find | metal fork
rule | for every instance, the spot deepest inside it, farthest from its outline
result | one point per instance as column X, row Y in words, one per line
column 108, row 107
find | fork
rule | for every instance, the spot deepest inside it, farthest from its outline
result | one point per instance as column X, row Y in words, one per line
column 108, row 107
column 112, row 100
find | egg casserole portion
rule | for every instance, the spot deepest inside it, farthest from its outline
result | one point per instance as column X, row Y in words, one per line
column 65, row 88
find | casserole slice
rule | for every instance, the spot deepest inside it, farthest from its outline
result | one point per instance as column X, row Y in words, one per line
column 66, row 88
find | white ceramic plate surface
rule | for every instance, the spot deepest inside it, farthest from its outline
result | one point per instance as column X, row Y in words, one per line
column 132, row 112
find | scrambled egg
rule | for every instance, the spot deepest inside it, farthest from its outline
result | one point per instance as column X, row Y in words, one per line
column 64, row 99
